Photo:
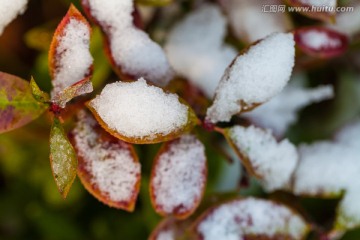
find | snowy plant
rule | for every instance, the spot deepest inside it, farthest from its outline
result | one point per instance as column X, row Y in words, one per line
column 217, row 77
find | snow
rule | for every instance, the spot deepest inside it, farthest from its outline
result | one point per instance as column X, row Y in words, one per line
column 72, row 59
column 250, row 216
column 9, row 9
column 350, row 134
column 348, row 22
column 179, row 176
column 166, row 235
column 273, row 162
column 250, row 23
column 319, row 40
column 111, row 165
column 281, row 111
column 201, row 60
column 131, row 48
column 320, row 3
column 138, row 110
column 255, row 77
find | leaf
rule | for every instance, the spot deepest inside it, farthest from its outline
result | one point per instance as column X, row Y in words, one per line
column 139, row 113
column 37, row 93
column 63, row 159
column 321, row 42
column 70, row 60
column 324, row 11
column 154, row 2
column 9, row 11
column 17, row 104
column 272, row 162
column 252, row 79
column 143, row 57
column 108, row 168
column 250, row 218
column 170, row 229
column 178, row 177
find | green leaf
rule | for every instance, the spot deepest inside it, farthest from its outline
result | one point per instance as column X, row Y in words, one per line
column 37, row 93
column 63, row 159
column 17, row 104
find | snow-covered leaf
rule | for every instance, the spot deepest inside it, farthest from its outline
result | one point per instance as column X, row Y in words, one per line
column 317, row 9
column 202, row 60
column 254, row 77
column 321, row 42
column 140, row 113
column 178, row 177
column 9, row 9
column 170, row 229
column 132, row 53
column 108, row 167
column 251, row 218
column 249, row 22
column 17, row 103
column 281, row 111
column 330, row 169
column 69, row 58
column 63, row 159
column 270, row 161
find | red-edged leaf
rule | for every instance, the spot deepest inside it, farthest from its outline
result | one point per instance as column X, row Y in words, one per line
column 62, row 158
column 251, row 219
column 321, row 42
column 178, row 177
column 316, row 9
column 17, row 103
column 170, row 229
column 131, row 51
column 139, row 113
column 108, row 168
column 69, row 58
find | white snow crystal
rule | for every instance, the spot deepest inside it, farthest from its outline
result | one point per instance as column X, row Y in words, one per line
column 72, row 57
column 112, row 167
column 273, row 162
column 255, row 77
column 138, row 110
column 9, row 9
column 320, row 3
column 196, row 51
column 281, row 111
column 250, row 23
column 180, row 175
column 131, row 48
column 236, row 219
column 318, row 40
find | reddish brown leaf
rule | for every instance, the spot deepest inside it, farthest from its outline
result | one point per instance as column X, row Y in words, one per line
column 108, row 168
column 321, row 42
column 252, row 219
column 170, row 228
column 17, row 103
column 70, row 61
column 178, row 177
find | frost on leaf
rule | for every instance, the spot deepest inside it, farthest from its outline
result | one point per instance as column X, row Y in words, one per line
column 169, row 229
column 281, row 111
column 321, row 42
column 250, row 24
column 132, row 53
column 319, row 9
column 108, row 167
column 69, row 58
column 62, row 158
column 328, row 169
column 254, row 77
column 9, row 9
column 251, row 218
column 202, row 60
column 17, row 103
column 271, row 161
column 178, row 177
column 140, row 113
